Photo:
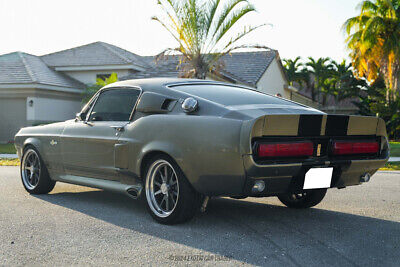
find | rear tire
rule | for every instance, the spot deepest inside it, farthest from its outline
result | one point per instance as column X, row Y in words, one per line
column 34, row 175
column 170, row 197
column 306, row 199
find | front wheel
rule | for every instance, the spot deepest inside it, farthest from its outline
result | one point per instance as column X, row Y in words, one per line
column 306, row 199
column 170, row 197
column 34, row 174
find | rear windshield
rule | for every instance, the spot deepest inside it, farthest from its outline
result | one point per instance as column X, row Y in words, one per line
column 230, row 95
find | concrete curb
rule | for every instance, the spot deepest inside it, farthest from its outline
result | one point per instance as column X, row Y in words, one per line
column 393, row 159
column 8, row 156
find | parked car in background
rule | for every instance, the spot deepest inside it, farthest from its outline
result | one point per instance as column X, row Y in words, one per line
column 180, row 141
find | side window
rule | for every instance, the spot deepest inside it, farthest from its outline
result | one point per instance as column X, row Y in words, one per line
column 114, row 105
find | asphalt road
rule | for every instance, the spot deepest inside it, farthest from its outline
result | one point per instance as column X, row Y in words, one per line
column 82, row 226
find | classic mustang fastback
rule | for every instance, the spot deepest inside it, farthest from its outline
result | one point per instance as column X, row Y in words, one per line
column 182, row 141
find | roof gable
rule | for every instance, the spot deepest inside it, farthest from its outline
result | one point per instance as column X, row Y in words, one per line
column 93, row 54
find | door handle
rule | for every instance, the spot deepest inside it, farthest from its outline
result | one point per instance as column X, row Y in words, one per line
column 118, row 128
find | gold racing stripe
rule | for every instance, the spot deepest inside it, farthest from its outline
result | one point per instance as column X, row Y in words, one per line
column 381, row 128
column 323, row 124
column 284, row 125
column 360, row 125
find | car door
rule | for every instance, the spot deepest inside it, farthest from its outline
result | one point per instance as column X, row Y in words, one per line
column 88, row 145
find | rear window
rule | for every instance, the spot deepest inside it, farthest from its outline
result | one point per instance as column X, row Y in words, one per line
column 230, row 95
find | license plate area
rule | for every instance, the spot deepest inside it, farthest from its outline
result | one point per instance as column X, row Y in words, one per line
column 316, row 178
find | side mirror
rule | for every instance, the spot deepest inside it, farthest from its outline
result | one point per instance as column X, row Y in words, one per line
column 80, row 116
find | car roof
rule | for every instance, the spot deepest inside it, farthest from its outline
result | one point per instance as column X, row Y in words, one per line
column 167, row 86
column 153, row 84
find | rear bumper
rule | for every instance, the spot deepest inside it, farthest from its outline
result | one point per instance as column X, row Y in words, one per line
column 287, row 178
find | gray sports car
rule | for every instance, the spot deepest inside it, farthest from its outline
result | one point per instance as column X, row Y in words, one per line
column 179, row 142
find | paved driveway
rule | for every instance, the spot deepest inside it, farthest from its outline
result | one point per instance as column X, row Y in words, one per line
column 82, row 226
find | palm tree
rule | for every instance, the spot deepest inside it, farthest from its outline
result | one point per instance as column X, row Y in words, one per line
column 292, row 69
column 342, row 76
column 202, row 30
column 321, row 70
column 374, row 41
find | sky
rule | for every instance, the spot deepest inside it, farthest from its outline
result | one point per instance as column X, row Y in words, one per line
column 299, row 27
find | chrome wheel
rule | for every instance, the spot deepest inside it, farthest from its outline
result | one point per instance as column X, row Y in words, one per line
column 162, row 188
column 30, row 169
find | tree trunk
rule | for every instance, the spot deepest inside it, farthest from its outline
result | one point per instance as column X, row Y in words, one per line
column 200, row 74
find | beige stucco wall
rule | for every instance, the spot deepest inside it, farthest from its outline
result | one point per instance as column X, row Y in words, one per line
column 46, row 109
column 49, row 106
column 12, row 117
column 89, row 76
column 273, row 81
column 302, row 100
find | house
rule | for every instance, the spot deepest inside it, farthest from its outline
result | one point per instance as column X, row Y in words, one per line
column 42, row 89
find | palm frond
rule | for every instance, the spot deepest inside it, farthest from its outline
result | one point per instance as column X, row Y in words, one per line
column 229, row 22
column 201, row 30
column 225, row 13
column 242, row 34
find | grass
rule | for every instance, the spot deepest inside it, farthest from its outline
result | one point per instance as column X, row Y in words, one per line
column 7, row 149
column 395, row 149
column 391, row 166
column 9, row 162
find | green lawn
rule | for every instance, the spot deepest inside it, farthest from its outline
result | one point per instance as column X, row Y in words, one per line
column 395, row 149
column 7, row 149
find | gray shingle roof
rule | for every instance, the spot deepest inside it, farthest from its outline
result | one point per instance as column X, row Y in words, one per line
column 244, row 67
column 19, row 67
column 93, row 54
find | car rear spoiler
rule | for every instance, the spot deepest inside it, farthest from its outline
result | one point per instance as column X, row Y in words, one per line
column 318, row 125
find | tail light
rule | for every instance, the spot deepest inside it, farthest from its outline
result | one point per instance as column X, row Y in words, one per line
column 351, row 147
column 288, row 149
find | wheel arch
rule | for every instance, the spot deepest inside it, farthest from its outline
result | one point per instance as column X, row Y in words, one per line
column 148, row 156
column 34, row 142
column 154, row 148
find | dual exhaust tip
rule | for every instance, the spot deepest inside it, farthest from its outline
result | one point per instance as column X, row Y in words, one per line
column 365, row 177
